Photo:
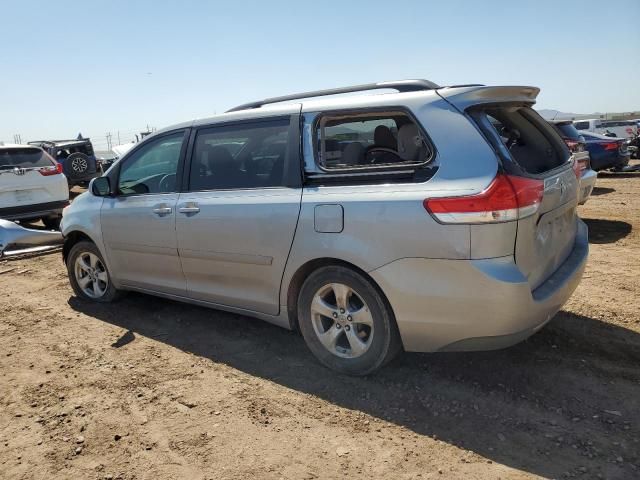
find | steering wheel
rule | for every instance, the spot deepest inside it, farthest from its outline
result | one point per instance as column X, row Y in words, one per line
column 167, row 182
column 372, row 150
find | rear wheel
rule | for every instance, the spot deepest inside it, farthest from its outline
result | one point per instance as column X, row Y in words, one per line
column 52, row 223
column 346, row 322
column 88, row 274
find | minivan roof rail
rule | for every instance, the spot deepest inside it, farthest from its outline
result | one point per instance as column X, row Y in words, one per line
column 399, row 85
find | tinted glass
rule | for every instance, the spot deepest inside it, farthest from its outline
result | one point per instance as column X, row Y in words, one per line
column 152, row 168
column 23, row 158
column 582, row 125
column 240, row 156
column 568, row 130
column 618, row 123
column 369, row 140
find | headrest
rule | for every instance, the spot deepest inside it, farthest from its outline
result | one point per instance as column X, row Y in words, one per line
column 353, row 154
column 382, row 137
column 219, row 157
column 409, row 142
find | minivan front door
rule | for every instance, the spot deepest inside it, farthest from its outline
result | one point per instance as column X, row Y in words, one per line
column 236, row 223
column 138, row 224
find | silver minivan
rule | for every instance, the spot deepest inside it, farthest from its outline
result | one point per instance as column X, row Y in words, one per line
column 397, row 215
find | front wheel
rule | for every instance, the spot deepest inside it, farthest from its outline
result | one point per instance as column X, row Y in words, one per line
column 346, row 322
column 88, row 274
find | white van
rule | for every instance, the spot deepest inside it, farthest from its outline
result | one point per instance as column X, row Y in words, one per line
column 621, row 128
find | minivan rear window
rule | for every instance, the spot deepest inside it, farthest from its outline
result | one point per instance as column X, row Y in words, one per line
column 23, row 158
column 582, row 125
column 522, row 137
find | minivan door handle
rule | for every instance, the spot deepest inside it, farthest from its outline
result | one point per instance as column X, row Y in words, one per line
column 189, row 208
column 162, row 210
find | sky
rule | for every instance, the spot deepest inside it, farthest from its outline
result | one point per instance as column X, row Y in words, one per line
column 117, row 66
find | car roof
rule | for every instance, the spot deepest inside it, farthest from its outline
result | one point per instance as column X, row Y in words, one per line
column 63, row 143
column 357, row 99
column 16, row 145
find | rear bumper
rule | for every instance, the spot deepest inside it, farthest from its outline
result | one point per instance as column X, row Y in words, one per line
column 612, row 160
column 38, row 210
column 464, row 305
column 587, row 182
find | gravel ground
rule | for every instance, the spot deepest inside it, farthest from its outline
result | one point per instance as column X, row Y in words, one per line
column 150, row 389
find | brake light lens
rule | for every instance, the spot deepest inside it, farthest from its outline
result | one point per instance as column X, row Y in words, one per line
column 580, row 165
column 52, row 170
column 611, row 146
column 574, row 146
column 506, row 199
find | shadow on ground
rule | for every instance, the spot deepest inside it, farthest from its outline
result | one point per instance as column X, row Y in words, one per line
column 602, row 190
column 606, row 231
column 538, row 406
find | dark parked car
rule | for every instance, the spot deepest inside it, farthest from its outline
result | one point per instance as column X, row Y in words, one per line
column 575, row 142
column 606, row 152
column 76, row 157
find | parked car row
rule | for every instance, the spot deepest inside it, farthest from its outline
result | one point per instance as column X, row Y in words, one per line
column 76, row 157
column 356, row 220
column 612, row 128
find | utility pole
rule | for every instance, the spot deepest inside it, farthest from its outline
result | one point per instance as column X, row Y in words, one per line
column 119, row 138
column 109, row 141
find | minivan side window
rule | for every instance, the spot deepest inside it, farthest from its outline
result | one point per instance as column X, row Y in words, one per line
column 153, row 167
column 353, row 141
column 247, row 155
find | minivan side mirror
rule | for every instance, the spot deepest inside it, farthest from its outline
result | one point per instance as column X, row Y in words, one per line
column 101, row 187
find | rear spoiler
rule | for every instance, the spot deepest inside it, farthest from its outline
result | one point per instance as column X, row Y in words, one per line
column 465, row 97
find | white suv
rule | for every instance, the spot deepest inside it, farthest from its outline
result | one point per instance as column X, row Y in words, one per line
column 32, row 185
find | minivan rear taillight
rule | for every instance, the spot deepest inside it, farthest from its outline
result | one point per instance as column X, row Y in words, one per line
column 581, row 165
column 507, row 198
column 574, row 146
column 52, row 170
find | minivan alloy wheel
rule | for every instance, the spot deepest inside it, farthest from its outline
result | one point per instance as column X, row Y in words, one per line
column 91, row 275
column 342, row 320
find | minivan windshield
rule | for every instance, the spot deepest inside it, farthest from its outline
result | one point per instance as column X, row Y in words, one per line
column 27, row 157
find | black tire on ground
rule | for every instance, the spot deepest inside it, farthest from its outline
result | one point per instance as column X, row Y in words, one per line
column 52, row 223
column 78, row 249
column 385, row 343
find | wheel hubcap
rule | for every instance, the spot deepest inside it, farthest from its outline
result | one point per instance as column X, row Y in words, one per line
column 342, row 320
column 91, row 275
column 79, row 164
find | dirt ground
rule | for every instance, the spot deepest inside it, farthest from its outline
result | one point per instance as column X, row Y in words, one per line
column 150, row 389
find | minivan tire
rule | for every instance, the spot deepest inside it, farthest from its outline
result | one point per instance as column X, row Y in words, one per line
column 385, row 340
column 89, row 248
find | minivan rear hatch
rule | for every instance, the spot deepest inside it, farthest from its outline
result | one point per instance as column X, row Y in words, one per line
column 527, row 146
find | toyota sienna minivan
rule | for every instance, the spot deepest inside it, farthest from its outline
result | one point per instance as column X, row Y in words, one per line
column 422, row 218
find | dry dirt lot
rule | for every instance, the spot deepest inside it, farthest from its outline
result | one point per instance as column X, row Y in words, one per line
column 150, row 389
